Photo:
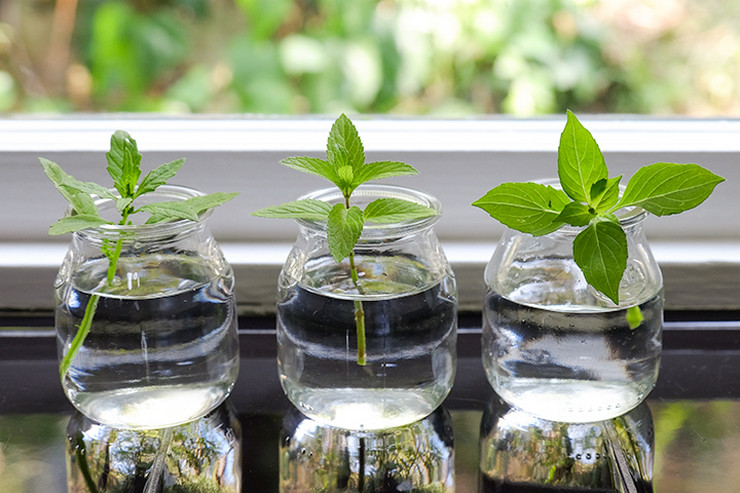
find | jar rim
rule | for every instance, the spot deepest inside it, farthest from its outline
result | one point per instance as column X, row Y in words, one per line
column 369, row 192
column 152, row 231
column 628, row 216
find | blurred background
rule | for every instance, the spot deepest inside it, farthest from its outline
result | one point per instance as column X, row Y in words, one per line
column 444, row 58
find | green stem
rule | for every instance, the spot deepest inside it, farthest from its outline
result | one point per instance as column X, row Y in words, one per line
column 359, row 310
column 84, row 328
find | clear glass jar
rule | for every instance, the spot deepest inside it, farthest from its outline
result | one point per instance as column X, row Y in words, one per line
column 163, row 347
column 410, row 304
column 554, row 346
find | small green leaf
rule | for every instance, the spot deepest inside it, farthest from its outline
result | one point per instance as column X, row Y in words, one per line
column 669, row 188
column 605, row 194
column 168, row 211
column 600, row 250
column 83, row 203
column 580, row 161
column 382, row 169
column 527, row 207
column 390, row 210
column 634, row 317
column 299, row 209
column 124, row 163
column 346, row 176
column 344, row 227
column 576, row 214
column 312, row 165
column 76, row 223
column 158, row 176
column 121, row 204
column 187, row 209
column 68, row 186
column 343, row 134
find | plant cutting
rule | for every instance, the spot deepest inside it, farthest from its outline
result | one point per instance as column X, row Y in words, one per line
column 371, row 248
column 576, row 275
column 131, row 271
column 345, row 167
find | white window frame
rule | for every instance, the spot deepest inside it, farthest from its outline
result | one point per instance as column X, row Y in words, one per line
column 459, row 160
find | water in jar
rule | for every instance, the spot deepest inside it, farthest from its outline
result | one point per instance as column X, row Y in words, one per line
column 568, row 362
column 411, row 344
column 162, row 349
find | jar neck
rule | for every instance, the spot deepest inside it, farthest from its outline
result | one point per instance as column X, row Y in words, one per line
column 144, row 233
column 375, row 232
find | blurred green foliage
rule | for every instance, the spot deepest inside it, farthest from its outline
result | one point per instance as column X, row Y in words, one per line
column 419, row 57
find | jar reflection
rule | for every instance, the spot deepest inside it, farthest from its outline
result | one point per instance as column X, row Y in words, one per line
column 417, row 457
column 523, row 453
column 201, row 456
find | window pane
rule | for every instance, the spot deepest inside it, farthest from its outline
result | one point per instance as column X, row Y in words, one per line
column 410, row 57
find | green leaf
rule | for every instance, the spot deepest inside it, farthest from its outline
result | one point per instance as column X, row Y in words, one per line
column 76, row 223
column 669, row 188
column 187, row 209
column 83, row 203
column 300, row 209
column 382, row 169
column 580, row 161
column 344, row 227
column 576, row 214
column 312, row 165
column 124, row 163
column 600, row 250
column 527, row 207
column 390, row 210
column 158, row 176
column 68, row 186
column 634, row 317
column 168, row 211
column 605, row 194
column 343, row 134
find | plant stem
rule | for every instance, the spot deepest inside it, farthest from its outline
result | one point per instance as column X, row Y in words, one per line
column 84, row 328
column 359, row 310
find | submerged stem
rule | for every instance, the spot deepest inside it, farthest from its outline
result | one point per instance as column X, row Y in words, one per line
column 84, row 328
column 359, row 313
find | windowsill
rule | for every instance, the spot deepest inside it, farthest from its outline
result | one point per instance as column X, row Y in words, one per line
column 697, row 275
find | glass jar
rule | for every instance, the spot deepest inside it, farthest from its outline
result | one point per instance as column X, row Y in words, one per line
column 162, row 348
column 554, row 346
column 409, row 300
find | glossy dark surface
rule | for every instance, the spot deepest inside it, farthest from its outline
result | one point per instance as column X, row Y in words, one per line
column 695, row 411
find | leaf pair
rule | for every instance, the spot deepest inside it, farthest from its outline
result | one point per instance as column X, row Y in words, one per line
column 345, row 166
column 124, row 167
column 589, row 198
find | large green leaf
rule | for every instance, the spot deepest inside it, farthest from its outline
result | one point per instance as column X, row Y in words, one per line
column 580, row 161
column 669, row 188
column 527, row 207
column 600, row 250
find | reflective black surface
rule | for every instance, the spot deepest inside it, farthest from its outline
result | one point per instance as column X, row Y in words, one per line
column 469, row 445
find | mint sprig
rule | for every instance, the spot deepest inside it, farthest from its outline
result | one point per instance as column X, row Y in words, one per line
column 589, row 199
column 124, row 167
column 346, row 168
